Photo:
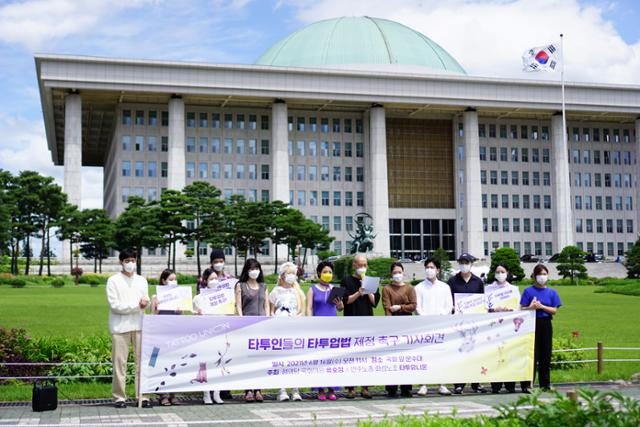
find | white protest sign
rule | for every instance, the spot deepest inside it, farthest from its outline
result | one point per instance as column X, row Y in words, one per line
column 370, row 284
column 219, row 299
column 469, row 303
column 174, row 297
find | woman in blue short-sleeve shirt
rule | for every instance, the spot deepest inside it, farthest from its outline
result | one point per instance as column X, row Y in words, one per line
column 545, row 301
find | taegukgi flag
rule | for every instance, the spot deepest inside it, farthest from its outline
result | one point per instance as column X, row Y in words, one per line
column 541, row 58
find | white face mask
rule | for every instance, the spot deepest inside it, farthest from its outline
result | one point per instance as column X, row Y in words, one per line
column 218, row 266
column 212, row 283
column 172, row 283
column 541, row 279
column 501, row 277
column 290, row 278
column 254, row 274
column 465, row 268
column 397, row 277
column 129, row 267
column 430, row 273
column 360, row 271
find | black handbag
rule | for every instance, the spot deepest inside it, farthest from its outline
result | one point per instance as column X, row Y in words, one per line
column 44, row 396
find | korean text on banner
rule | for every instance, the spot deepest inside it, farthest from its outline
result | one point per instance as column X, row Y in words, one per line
column 191, row 353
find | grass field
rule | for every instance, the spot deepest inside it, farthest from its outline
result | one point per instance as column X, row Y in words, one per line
column 82, row 311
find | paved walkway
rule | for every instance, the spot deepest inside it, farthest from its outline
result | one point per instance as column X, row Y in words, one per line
column 271, row 413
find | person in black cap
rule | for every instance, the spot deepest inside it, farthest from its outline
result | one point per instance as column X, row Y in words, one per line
column 217, row 266
column 465, row 282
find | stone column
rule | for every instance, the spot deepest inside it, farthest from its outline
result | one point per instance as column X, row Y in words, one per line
column 473, row 235
column 176, row 159
column 279, row 153
column 561, row 202
column 378, row 196
column 72, row 157
column 636, row 181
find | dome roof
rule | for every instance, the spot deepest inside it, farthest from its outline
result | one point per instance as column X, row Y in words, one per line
column 358, row 41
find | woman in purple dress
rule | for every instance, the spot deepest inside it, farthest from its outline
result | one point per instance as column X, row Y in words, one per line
column 319, row 305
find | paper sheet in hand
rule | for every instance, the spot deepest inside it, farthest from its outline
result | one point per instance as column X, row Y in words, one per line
column 174, row 298
column 220, row 299
column 370, row 284
column 505, row 298
column 470, row 303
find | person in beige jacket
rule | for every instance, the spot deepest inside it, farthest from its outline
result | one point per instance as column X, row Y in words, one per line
column 128, row 297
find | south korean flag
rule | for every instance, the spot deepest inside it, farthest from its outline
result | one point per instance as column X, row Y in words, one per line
column 541, row 58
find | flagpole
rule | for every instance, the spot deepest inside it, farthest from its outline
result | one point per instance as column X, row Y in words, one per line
column 564, row 118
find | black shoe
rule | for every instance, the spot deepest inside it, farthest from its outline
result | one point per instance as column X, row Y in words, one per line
column 147, row 404
column 457, row 390
column 406, row 394
column 351, row 394
column 226, row 395
column 511, row 390
column 495, row 390
column 392, row 395
column 480, row 389
column 526, row 390
column 120, row 404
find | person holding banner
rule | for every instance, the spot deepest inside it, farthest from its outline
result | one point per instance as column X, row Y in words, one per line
column 287, row 300
column 433, row 298
column 217, row 265
column 324, row 299
column 502, row 296
column 128, row 297
column 358, row 302
column 252, row 299
column 398, row 299
column 167, row 278
column 545, row 301
column 465, row 282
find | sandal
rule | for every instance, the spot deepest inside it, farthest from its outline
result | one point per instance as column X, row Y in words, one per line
column 165, row 401
column 174, row 401
column 248, row 397
column 259, row 397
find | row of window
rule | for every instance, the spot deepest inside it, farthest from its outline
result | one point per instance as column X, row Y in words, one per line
column 327, row 149
column 618, row 157
column 515, row 201
column 515, row 225
column 584, row 178
column 612, row 250
column 515, row 178
column 579, row 178
column 535, row 132
column 333, row 223
column 586, row 226
column 299, row 172
column 204, row 145
column 152, row 193
column 608, row 203
column 302, row 197
column 201, row 120
column 310, row 124
column 513, row 154
column 517, row 246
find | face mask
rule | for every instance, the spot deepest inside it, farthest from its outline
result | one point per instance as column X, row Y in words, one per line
column 398, row 277
column 541, row 279
column 360, row 271
column 326, row 277
column 212, row 283
column 218, row 266
column 430, row 273
column 172, row 283
column 254, row 274
column 290, row 278
column 465, row 268
column 501, row 277
column 129, row 267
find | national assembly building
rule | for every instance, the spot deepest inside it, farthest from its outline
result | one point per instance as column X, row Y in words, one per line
column 360, row 115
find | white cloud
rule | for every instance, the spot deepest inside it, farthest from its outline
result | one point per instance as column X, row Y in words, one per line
column 24, row 147
column 488, row 37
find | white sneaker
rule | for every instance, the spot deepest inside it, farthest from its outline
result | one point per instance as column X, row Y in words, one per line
column 422, row 391
column 295, row 396
column 283, row 396
column 217, row 398
column 206, row 398
column 444, row 390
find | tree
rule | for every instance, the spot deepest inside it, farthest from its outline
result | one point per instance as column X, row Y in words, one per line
column 5, row 211
column 205, row 208
column 54, row 201
column 571, row 263
column 69, row 226
column 169, row 216
column 510, row 259
column 96, row 236
column 137, row 228
column 632, row 263
column 445, row 266
column 279, row 222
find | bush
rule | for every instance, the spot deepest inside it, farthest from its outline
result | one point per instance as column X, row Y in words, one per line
column 342, row 267
column 566, row 356
column 57, row 282
column 575, row 282
column 380, row 267
column 15, row 347
column 93, row 279
column 510, row 258
column 632, row 262
column 16, row 282
column 186, row 279
column 325, row 254
column 619, row 286
column 571, row 263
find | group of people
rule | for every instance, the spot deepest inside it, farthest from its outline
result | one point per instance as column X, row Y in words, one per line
column 128, row 298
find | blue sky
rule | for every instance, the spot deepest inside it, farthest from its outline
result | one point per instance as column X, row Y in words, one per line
column 602, row 44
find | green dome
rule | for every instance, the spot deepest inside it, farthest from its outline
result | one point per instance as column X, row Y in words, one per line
column 359, row 41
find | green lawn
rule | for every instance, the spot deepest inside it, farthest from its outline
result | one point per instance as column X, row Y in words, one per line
column 73, row 311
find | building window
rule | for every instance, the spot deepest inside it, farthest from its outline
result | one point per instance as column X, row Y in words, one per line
column 359, row 149
column 126, row 143
column 215, row 145
column 126, row 119
column 302, row 197
column 125, row 194
column 264, row 147
column 139, row 169
column 324, row 125
column 336, row 173
column 203, row 170
column 215, row 120
column 164, row 144
column 152, row 169
column 191, row 169
column 164, row 169
column 313, row 124
column 348, row 198
column 360, row 174
column 191, row 145
column 165, row 118
column 347, row 125
column 337, row 198
column 191, row 120
column 126, row 168
column 360, row 198
column 215, row 170
column 203, row 145
column 336, row 149
column 151, row 143
column 348, row 174
column 313, row 173
column 313, row 198
column 325, row 198
column 324, row 173
column 336, row 125
column 204, row 122
column 139, row 143
column 264, row 172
